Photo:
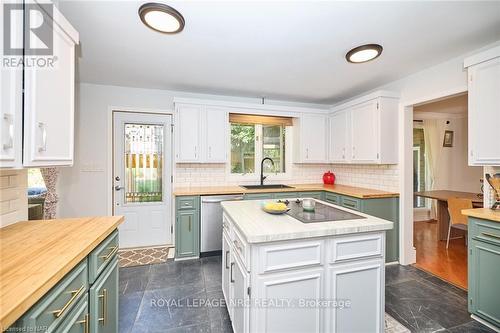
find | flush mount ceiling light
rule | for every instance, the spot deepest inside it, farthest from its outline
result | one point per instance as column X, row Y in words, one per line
column 364, row 53
column 162, row 18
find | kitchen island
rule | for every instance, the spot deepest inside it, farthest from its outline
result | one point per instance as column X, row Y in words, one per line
column 60, row 275
column 283, row 275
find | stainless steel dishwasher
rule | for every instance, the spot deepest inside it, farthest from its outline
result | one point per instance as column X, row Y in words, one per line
column 211, row 221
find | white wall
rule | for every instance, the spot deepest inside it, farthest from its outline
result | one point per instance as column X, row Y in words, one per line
column 13, row 196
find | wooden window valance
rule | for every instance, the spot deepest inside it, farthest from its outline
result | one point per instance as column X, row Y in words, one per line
column 258, row 119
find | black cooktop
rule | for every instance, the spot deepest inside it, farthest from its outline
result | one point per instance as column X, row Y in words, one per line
column 321, row 213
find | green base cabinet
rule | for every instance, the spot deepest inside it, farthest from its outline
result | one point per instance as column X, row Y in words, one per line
column 484, row 270
column 78, row 319
column 77, row 304
column 104, row 301
column 384, row 208
column 187, row 231
column 387, row 209
column 187, row 227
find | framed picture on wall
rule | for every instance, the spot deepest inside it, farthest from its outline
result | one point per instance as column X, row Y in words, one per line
column 448, row 139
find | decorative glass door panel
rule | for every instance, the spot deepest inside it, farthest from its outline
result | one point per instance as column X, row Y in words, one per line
column 143, row 163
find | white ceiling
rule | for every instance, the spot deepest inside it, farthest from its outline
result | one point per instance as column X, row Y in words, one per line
column 289, row 50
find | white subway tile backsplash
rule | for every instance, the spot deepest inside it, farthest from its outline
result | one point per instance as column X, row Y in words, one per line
column 13, row 196
column 381, row 177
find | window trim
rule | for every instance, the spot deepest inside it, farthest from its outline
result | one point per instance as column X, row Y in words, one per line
column 254, row 177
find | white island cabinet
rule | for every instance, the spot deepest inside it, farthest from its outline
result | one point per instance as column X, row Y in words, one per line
column 282, row 275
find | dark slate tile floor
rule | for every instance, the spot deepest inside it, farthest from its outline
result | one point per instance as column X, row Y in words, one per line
column 425, row 303
column 162, row 298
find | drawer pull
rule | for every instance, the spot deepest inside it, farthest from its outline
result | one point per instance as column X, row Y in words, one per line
column 227, row 253
column 350, row 205
column 75, row 293
column 104, row 297
column 491, row 235
column 231, row 273
column 111, row 253
column 85, row 322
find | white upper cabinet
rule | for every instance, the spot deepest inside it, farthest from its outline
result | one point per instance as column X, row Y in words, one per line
column 11, row 99
column 188, row 133
column 40, row 132
column 310, row 138
column 484, row 108
column 49, row 101
column 339, row 137
column 201, row 133
column 365, row 131
column 217, row 135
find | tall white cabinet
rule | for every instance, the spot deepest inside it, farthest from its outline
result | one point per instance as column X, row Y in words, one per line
column 365, row 131
column 484, row 107
column 40, row 133
column 49, row 103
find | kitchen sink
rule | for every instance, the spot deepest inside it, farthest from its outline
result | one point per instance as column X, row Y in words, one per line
column 257, row 187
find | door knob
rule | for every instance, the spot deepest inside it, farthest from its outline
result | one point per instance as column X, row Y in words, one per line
column 118, row 188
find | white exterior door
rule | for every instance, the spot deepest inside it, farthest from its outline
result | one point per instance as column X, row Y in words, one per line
column 142, row 149
column 365, row 136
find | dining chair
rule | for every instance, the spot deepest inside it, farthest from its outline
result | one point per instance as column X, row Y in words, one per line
column 457, row 220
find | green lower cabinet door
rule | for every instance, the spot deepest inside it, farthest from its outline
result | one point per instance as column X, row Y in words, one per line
column 78, row 321
column 484, row 272
column 387, row 209
column 104, row 301
column 187, row 234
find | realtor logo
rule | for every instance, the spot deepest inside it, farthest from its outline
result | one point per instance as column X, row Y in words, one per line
column 38, row 32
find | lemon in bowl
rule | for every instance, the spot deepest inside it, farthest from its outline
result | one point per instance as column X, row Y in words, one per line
column 274, row 207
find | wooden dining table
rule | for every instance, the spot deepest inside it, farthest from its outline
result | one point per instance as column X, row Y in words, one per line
column 443, row 217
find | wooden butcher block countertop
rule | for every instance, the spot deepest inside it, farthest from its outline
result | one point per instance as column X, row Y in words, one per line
column 483, row 213
column 35, row 255
column 357, row 192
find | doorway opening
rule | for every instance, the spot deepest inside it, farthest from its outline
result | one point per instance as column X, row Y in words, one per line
column 443, row 184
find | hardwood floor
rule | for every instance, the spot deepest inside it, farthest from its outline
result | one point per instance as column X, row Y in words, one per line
column 432, row 256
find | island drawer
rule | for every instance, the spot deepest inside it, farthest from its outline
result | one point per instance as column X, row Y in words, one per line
column 102, row 255
column 356, row 247
column 227, row 226
column 242, row 250
column 351, row 203
column 484, row 230
column 54, row 307
column 291, row 255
